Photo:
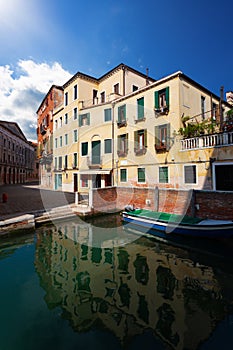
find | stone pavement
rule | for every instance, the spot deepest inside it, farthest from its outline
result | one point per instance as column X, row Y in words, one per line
column 30, row 198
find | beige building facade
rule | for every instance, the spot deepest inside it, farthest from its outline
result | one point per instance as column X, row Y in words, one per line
column 126, row 129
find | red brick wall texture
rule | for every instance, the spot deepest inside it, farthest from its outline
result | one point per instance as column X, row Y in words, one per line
column 206, row 204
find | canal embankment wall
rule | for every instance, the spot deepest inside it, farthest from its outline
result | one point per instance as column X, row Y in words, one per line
column 206, row 204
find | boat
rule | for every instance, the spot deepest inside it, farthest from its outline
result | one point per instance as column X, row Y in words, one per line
column 170, row 226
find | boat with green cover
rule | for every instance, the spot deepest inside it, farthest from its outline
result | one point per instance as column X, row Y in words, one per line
column 169, row 224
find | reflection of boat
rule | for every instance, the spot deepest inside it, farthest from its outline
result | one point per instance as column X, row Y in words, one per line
column 168, row 225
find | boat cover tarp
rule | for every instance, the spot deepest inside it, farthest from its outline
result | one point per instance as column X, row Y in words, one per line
column 165, row 217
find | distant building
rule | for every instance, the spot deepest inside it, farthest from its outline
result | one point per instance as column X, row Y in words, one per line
column 52, row 100
column 16, row 155
column 229, row 96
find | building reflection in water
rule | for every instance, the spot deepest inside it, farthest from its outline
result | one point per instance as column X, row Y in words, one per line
column 130, row 289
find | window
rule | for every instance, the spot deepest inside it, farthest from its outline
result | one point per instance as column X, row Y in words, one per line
column 75, row 92
column 122, row 147
column 141, row 175
column 75, row 135
column 163, row 174
column 75, row 160
column 66, row 118
column 162, row 100
column 84, row 180
column 60, row 162
column 102, row 97
column 122, row 115
column 75, row 113
column 55, row 164
column 84, row 119
column 203, row 107
column 107, row 115
column 123, row 175
column 162, row 137
column 116, row 89
column 108, row 146
column 134, row 88
column 84, row 148
column 140, row 104
column 55, row 142
column 190, row 176
column 140, row 141
column 66, row 162
column 66, row 139
column 60, row 122
column 60, row 143
column 214, row 111
column 55, row 124
column 66, row 98
column 95, row 98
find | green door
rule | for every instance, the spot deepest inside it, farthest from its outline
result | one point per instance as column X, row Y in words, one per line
column 95, row 152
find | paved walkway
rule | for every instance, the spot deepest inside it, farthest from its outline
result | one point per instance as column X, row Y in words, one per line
column 30, row 198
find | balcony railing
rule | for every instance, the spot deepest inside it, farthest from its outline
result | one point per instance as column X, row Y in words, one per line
column 94, row 162
column 207, row 141
column 97, row 101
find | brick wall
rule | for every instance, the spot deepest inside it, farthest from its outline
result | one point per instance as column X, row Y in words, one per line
column 215, row 205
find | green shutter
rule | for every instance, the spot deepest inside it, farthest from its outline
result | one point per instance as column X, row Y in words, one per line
column 141, row 108
column 156, row 99
column 145, row 138
column 167, row 96
column 80, row 120
column 141, row 175
column 136, row 139
column 126, row 142
column 157, row 136
column 88, row 118
column 118, row 143
column 84, row 148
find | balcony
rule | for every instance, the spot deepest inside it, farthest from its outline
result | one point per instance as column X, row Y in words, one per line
column 207, row 141
column 121, row 123
column 140, row 151
column 160, row 148
column 94, row 162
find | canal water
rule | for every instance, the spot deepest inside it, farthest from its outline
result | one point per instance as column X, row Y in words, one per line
column 97, row 285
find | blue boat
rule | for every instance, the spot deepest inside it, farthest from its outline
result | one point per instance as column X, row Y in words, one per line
column 168, row 226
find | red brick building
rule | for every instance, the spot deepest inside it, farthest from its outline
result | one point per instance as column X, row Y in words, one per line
column 52, row 100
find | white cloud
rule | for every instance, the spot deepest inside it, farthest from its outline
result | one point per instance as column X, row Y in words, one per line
column 22, row 89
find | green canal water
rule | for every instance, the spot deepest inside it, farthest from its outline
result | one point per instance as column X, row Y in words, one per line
column 95, row 285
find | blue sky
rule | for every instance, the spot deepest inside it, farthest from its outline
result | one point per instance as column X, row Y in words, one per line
column 45, row 42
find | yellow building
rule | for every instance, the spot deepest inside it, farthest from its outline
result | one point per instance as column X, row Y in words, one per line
column 126, row 129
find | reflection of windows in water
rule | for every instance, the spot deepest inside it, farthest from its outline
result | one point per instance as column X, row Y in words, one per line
column 143, row 311
column 166, row 282
column 96, row 255
column 84, row 251
column 83, row 279
column 108, row 256
column 141, row 270
column 124, row 293
column 164, row 324
column 123, row 260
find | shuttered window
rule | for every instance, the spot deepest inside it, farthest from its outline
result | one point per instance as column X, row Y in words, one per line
column 162, row 136
column 140, row 104
column 162, row 98
column 141, row 175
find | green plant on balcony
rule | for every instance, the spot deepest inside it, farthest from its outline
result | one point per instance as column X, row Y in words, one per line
column 196, row 129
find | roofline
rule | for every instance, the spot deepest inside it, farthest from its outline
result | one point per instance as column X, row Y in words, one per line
column 170, row 77
column 16, row 124
column 109, row 73
column 60, row 87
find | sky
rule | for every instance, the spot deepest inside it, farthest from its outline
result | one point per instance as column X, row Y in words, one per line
column 46, row 42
